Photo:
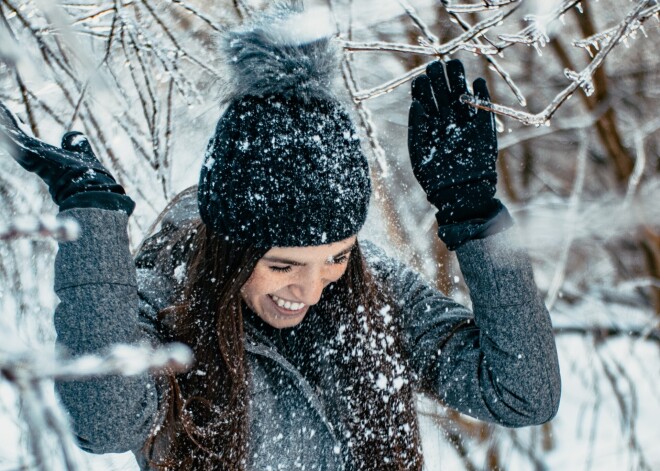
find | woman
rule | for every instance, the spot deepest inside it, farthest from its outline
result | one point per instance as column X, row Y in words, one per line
column 308, row 344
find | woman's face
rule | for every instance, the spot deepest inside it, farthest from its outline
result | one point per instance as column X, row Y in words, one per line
column 287, row 280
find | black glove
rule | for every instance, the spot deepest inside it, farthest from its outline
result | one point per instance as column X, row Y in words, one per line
column 74, row 175
column 453, row 150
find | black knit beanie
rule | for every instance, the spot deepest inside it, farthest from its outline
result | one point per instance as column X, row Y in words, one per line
column 285, row 167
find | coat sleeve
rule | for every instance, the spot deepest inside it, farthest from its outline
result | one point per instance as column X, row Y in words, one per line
column 497, row 363
column 95, row 280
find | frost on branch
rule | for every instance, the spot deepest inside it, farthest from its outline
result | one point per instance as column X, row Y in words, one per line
column 535, row 34
column 583, row 80
column 44, row 226
column 123, row 360
column 30, row 372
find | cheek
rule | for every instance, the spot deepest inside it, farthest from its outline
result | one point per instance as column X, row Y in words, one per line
column 260, row 284
column 336, row 272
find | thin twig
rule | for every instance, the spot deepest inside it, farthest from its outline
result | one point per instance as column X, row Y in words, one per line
column 361, row 96
column 208, row 20
column 491, row 59
column 578, row 80
column 476, row 30
column 423, row 27
column 486, row 6
column 180, row 50
column 381, row 46
column 596, row 39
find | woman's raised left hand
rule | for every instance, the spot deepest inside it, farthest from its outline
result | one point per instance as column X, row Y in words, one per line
column 453, row 151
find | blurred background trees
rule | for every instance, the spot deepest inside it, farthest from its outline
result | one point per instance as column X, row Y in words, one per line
column 575, row 86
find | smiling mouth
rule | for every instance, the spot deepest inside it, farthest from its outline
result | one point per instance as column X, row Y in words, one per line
column 287, row 307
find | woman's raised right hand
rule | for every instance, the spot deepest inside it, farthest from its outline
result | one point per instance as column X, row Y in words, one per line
column 74, row 175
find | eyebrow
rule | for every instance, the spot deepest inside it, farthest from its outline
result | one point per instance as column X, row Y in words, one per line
column 299, row 264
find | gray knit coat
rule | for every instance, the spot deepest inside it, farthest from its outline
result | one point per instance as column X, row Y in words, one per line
column 497, row 363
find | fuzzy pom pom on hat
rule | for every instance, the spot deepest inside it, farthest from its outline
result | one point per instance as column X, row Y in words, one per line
column 285, row 166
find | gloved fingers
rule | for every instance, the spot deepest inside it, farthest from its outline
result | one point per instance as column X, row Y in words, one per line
column 481, row 90
column 23, row 147
column 417, row 116
column 485, row 119
column 11, row 129
column 75, row 141
column 436, row 73
column 7, row 119
column 481, row 93
column 418, row 130
column 80, row 179
column 422, row 94
column 456, row 78
column 458, row 87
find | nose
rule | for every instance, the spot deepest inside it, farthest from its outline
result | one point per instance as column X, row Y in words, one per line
column 308, row 288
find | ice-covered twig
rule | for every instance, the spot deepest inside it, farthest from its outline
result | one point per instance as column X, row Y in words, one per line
column 534, row 35
column 180, row 50
column 439, row 50
column 474, row 32
column 365, row 119
column 382, row 46
column 468, row 41
column 581, row 79
column 423, row 27
column 94, row 15
column 598, row 39
column 242, row 8
column 427, row 50
column 364, row 95
column 485, row 6
column 47, row 428
column 120, row 360
column 536, row 26
column 491, row 60
column 42, row 226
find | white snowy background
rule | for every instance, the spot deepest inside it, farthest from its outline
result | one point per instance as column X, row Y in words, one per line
column 143, row 79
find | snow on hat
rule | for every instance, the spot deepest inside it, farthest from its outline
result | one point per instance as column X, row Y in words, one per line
column 285, row 167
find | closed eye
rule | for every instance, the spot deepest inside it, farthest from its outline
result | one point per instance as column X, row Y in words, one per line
column 281, row 269
column 340, row 260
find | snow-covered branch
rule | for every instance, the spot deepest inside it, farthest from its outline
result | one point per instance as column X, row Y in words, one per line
column 124, row 360
column 597, row 40
column 43, row 226
column 30, row 372
column 534, row 35
column 581, row 79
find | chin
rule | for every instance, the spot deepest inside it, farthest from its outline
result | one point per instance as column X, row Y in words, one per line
column 280, row 318
column 280, row 321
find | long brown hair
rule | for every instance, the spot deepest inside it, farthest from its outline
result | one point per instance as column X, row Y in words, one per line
column 206, row 424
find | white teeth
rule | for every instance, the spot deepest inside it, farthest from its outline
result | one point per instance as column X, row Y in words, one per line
column 287, row 304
